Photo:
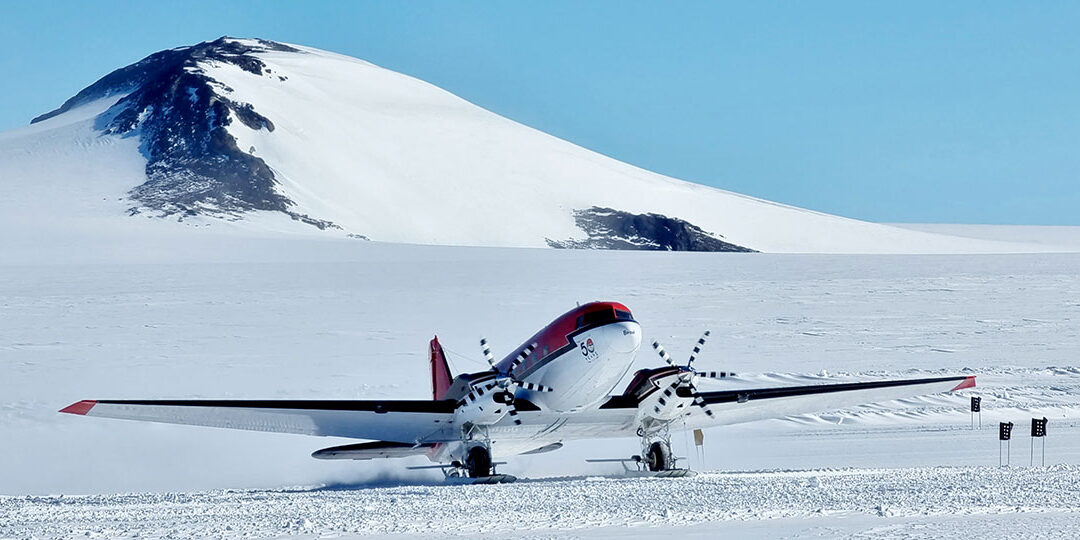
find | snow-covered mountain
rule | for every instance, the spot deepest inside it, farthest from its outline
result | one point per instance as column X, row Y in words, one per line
column 233, row 132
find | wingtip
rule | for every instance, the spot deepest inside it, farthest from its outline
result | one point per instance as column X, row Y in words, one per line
column 967, row 383
column 80, row 408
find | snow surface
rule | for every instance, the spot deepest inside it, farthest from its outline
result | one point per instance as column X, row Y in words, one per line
column 393, row 158
column 896, row 503
column 257, row 316
column 1051, row 235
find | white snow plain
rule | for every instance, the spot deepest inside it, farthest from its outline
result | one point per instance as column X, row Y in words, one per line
column 201, row 314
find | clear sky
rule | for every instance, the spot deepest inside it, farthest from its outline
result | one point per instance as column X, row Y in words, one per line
column 951, row 112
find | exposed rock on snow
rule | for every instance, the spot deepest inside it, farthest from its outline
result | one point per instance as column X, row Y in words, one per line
column 611, row 229
column 180, row 115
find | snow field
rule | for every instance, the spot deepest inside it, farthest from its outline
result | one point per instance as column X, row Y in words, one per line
column 560, row 507
column 259, row 317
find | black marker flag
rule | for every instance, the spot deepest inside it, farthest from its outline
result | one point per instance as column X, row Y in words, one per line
column 1005, row 431
column 1004, row 434
column 1038, row 427
column 1038, row 430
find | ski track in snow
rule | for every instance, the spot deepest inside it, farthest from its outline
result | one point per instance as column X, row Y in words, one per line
column 899, row 499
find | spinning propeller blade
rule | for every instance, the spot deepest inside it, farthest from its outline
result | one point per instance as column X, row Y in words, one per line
column 487, row 352
column 536, row 387
column 510, row 383
column 521, row 357
column 667, row 395
column 663, row 354
column 689, row 367
column 715, row 374
column 701, row 403
column 697, row 348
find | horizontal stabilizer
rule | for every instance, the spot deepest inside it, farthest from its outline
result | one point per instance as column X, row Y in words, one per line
column 372, row 450
column 544, row 449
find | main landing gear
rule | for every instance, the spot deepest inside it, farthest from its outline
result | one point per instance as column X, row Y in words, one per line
column 478, row 462
column 478, row 468
column 656, row 458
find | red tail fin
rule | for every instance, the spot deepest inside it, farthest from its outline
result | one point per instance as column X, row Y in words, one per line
column 440, row 371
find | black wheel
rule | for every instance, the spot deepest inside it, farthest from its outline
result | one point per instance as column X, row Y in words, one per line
column 478, row 462
column 659, row 457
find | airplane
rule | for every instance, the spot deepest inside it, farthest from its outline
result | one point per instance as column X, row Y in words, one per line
column 557, row 386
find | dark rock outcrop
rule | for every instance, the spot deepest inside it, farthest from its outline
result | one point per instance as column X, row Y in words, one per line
column 613, row 229
column 179, row 113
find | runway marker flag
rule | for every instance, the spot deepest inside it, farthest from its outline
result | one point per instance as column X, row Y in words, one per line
column 1004, row 435
column 1038, row 431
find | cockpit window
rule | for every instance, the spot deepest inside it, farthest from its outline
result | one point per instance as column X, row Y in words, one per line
column 597, row 317
column 602, row 315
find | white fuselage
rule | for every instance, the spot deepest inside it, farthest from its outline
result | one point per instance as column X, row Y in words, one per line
column 589, row 372
column 583, row 369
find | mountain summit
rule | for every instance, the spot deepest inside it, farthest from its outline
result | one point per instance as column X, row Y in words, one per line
column 234, row 129
column 182, row 115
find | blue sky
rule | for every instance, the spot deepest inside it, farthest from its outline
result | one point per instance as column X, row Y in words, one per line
column 952, row 112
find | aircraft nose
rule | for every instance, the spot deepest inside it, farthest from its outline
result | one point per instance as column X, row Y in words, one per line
column 625, row 337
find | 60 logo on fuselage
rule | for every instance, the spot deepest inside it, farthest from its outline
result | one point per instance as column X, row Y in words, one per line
column 588, row 349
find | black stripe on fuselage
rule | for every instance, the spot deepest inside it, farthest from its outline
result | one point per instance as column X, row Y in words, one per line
column 417, row 406
column 570, row 345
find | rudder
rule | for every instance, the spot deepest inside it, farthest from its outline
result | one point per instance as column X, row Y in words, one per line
column 440, row 370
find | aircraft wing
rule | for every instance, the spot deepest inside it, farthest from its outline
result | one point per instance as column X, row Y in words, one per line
column 396, row 421
column 736, row 406
column 747, row 405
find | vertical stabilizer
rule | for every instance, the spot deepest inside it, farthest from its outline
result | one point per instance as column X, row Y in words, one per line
column 440, row 371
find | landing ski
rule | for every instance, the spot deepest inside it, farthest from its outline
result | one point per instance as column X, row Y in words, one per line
column 493, row 479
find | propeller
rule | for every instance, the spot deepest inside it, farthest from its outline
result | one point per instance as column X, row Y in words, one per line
column 689, row 367
column 506, row 381
column 687, row 374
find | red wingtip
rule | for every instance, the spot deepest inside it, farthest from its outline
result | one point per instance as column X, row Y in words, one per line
column 81, row 407
column 968, row 383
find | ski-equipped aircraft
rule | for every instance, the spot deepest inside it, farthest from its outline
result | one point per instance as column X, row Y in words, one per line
column 557, row 386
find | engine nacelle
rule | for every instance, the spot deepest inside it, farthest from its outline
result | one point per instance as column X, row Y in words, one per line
column 483, row 407
column 672, row 402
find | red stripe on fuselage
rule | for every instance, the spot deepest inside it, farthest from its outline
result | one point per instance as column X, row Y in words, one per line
column 555, row 336
column 81, row 407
